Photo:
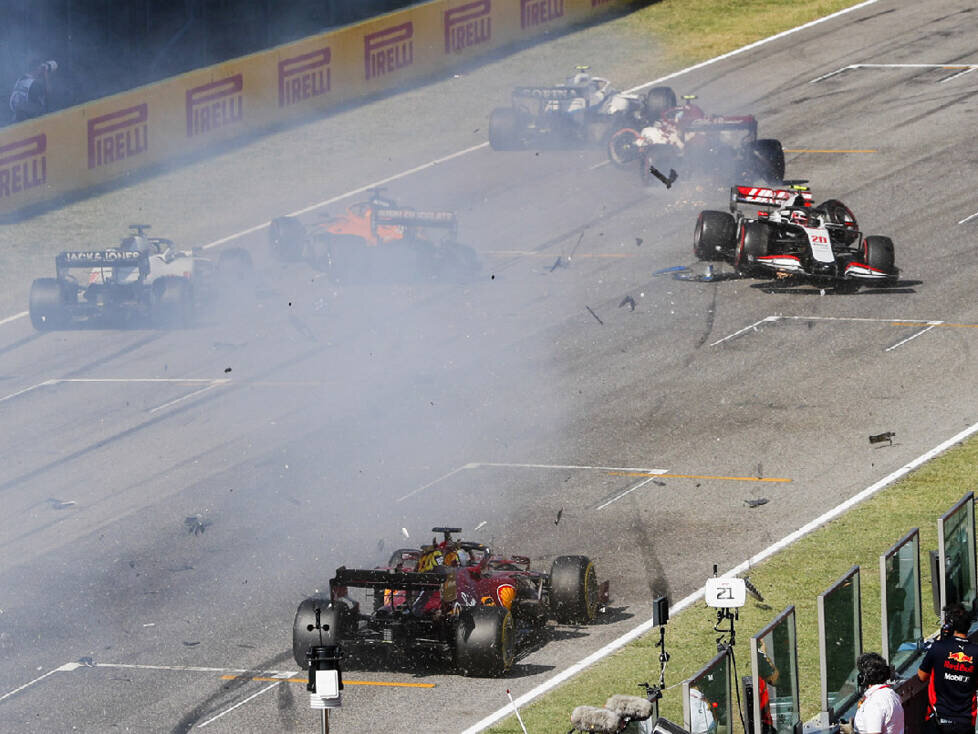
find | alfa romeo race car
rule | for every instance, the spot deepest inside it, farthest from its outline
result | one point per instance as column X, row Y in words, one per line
column 582, row 111
column 791, row 237
column 454, row 600
column 144, row 279
column 685, row 138
column 376, row 240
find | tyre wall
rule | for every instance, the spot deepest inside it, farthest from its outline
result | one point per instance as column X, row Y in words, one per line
column 106, row 139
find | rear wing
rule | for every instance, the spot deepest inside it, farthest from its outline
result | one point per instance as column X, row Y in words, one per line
column 412, row 218
column 767, row 197
column 102, row 259
column 379, row 578
column 550, row 94
column 722, row 124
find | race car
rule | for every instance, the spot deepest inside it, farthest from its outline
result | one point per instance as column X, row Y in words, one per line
column 683, row 137
column 376, row 240
column 143, row 280
column 583, row 110
column 453, row 599
column 791, row 237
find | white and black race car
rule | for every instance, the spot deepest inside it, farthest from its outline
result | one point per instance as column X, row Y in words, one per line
column 821, row 244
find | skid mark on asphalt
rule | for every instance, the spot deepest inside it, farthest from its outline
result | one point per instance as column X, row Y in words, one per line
column 925, row 324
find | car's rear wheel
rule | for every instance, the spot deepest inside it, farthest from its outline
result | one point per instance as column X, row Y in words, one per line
column 574, row 589
column 304, row 633
column 755, row 241
column 286, row 237
column 485, row 641
column 658, row 100
column 345, row 257
column 714, row 236
column 622, row 148
column 877, row 252
column 767, row 160
column 504, row 129
column 235, row 262
column 46, row 305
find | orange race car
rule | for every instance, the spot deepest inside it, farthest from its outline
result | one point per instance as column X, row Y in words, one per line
column 376, row 240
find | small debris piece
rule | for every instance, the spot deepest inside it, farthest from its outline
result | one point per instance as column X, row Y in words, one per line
column 560, row 513
column 757, row 502
column 227, row 370
column 881, row 437
column 627, row 301
column 638, row 241
column 196, row 524
column 594, row 315
column 191, row 644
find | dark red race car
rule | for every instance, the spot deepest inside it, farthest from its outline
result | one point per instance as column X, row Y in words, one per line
column 454, row 600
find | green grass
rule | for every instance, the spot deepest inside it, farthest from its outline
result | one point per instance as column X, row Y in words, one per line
column 795, row 576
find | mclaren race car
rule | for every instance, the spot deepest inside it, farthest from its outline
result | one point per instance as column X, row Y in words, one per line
column 454, row 600
column 376, row 240
column 582, row 111
column 791, row 237
column 683, row 138
column 143, row 280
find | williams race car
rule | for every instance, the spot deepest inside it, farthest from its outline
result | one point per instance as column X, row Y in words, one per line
column 376, row 240
column 791, row 237
column 685, row 138
column 144, row 279
column 455, row 600
column 585, row 110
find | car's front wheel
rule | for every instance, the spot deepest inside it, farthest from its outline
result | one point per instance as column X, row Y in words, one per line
column 755, row 241
column 714, row 236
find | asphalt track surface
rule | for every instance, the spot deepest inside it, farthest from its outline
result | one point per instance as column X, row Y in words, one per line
column 307, row 424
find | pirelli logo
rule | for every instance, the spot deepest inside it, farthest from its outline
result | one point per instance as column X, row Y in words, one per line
column 23, row 165
column 118, row 135
column 388, row 50
column 468, row 25
column 303, row 77
column 215, row 105
column 540, row 12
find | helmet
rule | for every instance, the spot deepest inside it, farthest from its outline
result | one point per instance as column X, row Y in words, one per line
column 799, row 216
column 580, row 79
column 432, row 559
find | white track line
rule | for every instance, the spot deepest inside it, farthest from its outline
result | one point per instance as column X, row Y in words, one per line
column 801, row 532
column 199, row 391
column 13, row 395
column 913, row 336
column 739, row 332
column 625, row 493
column 965, row 69
column 474, row 148
column 36, row 680
column 239, row 703
column 176, row 380
column 966, row 219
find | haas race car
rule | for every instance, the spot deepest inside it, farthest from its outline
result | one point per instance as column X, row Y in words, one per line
column 791, row 237
column 376, row 240
column 454, row 600
column 585, row 110
column 683, row 137
column 144, row 279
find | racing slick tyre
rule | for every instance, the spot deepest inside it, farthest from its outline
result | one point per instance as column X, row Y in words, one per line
column 767, row 160
column 504, row 129
column 877, row 252
column 573, row 589
column 485, row 640
column 622, row 148
column 658, row 100
column 235, row 262
column 173, row 303
column 714, row 236
column 286, row 237
column 46, row 305
column 334, row 617
column 755, row 241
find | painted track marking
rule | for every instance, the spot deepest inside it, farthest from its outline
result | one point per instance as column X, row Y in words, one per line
column 209, row 381
column 960, row 69
column 966, row 219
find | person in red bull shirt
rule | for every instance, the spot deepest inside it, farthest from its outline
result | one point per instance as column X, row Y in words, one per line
column 950, row 669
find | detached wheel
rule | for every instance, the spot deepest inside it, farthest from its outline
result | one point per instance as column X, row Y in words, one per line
column 622, row 148
column 877, row 252
column 658, row 100
column 755, row 242
column 286, row 238
column 305, row 618
column 485, row 640
column 714, row 236
column 767, row 160
column 573, row 589
column 46, row 305
column 504, row 129
column 173, row 304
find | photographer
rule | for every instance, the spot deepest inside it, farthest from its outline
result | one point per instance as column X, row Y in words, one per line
column 30, row 95
column 950, row 671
